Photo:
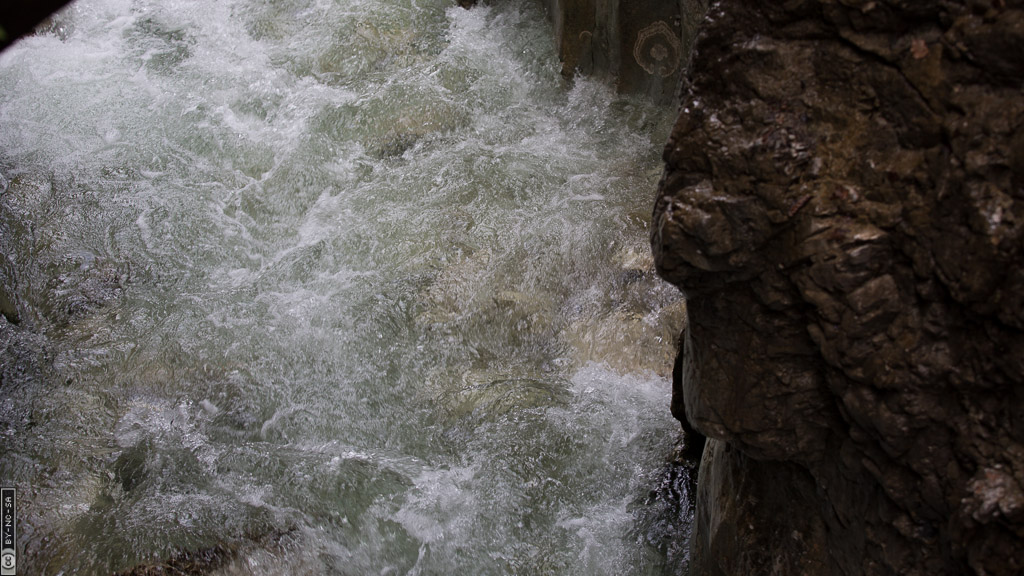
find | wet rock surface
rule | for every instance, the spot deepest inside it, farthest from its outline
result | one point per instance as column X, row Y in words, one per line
column 842, row 206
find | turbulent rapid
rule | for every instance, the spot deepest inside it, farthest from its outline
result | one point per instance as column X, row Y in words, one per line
column 340, row 287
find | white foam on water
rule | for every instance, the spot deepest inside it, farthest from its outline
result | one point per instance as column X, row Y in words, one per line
column 336, row 256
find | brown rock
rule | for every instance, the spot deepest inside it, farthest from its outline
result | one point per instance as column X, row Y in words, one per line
column 739, row 493
column 843, row 205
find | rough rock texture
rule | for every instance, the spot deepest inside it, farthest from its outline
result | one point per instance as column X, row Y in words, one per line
column 738, row 493
column 843, row 205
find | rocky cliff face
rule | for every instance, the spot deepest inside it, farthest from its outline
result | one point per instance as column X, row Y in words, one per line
column 843, row 205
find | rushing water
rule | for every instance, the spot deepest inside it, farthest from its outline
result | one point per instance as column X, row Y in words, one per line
column 339, row 286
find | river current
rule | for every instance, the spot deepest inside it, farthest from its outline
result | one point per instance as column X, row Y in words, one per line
column 330, row 287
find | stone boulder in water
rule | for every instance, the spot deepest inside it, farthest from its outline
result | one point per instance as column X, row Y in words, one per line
column 844, row 207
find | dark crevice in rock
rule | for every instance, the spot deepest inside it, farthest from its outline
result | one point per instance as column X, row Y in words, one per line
column 881, row 60
column 693, row 441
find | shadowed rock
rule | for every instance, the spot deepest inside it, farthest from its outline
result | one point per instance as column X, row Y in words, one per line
column 843, row 205
column 20, row 18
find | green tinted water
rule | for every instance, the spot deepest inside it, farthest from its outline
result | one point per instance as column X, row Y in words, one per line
column 351, row 287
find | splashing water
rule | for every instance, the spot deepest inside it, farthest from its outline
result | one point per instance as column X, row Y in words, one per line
column 353, row 287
